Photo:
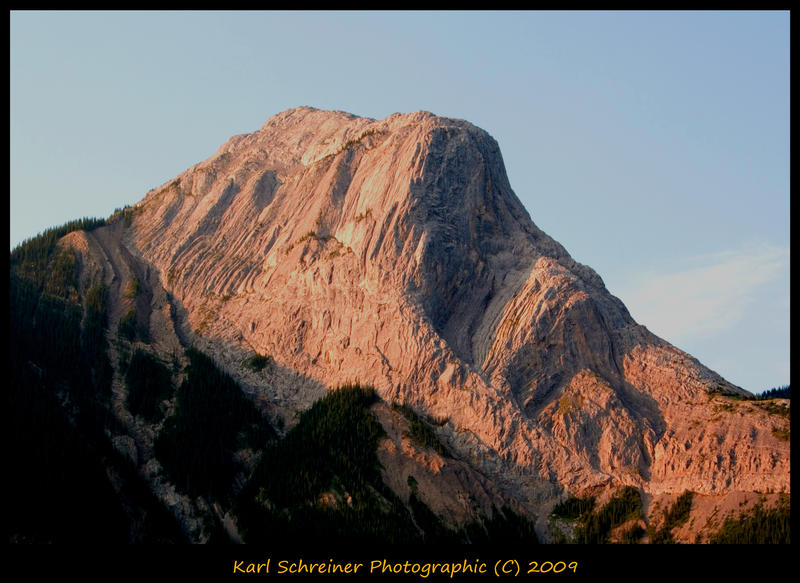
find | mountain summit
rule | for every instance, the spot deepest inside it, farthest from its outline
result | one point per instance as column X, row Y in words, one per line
column 394, row 253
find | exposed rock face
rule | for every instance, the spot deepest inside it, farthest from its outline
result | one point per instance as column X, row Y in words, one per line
column 395, row 253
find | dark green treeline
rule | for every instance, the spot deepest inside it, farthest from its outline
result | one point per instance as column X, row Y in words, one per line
column 58, row 404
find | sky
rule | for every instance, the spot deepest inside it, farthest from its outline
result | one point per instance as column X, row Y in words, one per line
column 654, row 146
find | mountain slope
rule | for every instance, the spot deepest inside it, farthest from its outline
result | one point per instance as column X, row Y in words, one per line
column 395, row 253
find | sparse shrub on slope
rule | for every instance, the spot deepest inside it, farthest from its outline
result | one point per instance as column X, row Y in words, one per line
column 421, row 431
column 673, row 518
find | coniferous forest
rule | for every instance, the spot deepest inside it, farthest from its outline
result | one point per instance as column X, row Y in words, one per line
column 758, row 526
column 58, row 399
column 784, row 392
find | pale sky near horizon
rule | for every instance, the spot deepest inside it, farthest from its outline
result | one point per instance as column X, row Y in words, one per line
column 654, row 146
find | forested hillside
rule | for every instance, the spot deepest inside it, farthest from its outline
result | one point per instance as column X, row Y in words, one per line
column 57, row 398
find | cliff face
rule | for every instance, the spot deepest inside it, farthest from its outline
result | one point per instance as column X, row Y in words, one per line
column 395, row 253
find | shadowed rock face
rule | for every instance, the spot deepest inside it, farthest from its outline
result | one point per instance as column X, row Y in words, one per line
column 395, row 253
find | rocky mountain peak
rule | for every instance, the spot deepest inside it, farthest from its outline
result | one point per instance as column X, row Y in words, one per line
column 395, row 252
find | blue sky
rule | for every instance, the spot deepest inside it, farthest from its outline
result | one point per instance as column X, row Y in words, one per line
column 653, row 145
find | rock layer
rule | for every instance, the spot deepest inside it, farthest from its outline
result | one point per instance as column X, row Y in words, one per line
column 394, row 252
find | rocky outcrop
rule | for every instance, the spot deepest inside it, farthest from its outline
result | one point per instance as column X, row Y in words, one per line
column 394, row 252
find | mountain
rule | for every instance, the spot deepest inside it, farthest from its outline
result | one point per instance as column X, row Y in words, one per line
column 328, row 250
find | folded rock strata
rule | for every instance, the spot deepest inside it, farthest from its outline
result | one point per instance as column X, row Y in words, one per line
column 394, row 252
